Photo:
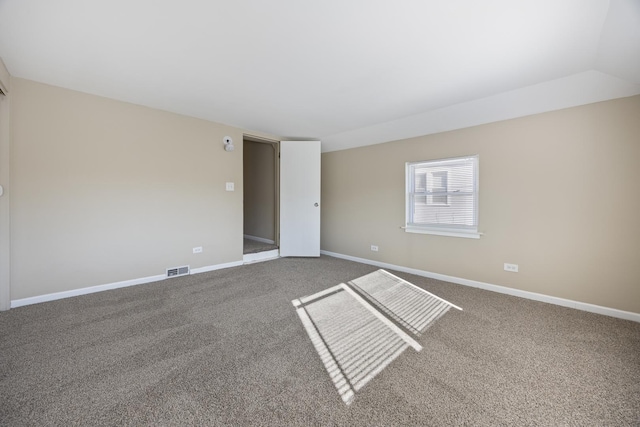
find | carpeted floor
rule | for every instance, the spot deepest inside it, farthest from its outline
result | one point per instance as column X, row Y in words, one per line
column 227, row 348
column 253, row 246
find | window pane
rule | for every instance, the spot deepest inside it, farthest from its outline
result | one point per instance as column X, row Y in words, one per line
column 443, row 193
column 439, row 187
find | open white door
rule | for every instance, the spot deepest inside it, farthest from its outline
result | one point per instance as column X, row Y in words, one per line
column 300, row 198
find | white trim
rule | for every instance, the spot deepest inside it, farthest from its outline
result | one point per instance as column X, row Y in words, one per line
column 109, row 286
column 583, row 88
column 215, row 267
column 592, row 308
column 84, row 291
column 260, row 256
column 5, row 78
column 5, row 199
column 449, row 230
column 420, row 230
column 259, row 239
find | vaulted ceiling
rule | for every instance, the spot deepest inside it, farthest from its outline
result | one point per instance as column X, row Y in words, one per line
column 348, row 72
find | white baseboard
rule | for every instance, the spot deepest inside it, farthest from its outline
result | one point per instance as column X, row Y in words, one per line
column 215, row 267
column 627, row 315
column 259, row 239
column 83, row 291
column 99, row 288
column 261, row 256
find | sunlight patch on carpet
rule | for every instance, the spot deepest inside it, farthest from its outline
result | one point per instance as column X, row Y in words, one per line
column 411, row 306
column 355, row 338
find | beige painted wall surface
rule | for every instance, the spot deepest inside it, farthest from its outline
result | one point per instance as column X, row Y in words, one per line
column 105, row 191
column 5, row 227
column 559, row 196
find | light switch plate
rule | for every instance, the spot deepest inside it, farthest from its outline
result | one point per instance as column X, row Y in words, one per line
column 230, row 186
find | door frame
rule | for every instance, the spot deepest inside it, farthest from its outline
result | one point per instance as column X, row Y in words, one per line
column 275, row 144
column 5, row 181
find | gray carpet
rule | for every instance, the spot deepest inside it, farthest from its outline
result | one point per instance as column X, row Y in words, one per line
column 253, row 246
column 227, row 348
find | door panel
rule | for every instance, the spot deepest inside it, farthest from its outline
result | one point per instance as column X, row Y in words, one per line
column 300, row 198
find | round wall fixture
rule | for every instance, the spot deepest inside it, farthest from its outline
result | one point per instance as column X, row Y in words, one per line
column 228, row 143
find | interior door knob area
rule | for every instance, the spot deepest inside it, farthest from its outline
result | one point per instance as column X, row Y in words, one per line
column 316, row 204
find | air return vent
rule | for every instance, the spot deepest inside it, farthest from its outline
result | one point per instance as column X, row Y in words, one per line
column 178, row 271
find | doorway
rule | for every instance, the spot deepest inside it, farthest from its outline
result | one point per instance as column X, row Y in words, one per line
column 261, row 198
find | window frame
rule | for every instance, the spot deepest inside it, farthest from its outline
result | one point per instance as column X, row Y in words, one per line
column 435, row 229
column 446, row 189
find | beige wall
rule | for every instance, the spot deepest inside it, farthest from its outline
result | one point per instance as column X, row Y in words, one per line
column 559, row 196
column 259, row 190
column 5, row 227
column 105, row 191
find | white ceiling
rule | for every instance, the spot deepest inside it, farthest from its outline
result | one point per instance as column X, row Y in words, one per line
column 348, row 72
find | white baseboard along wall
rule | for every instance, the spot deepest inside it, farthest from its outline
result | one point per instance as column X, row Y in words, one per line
column 99, row 288
column 627, row 315
column 592, row 308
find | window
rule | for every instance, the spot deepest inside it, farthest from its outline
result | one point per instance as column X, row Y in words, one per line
column 439, row 188
column 442, row 197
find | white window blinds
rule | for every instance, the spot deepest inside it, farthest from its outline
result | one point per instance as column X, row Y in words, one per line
column 443, row 195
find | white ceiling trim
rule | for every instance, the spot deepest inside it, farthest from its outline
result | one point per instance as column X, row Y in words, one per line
column 579, row 89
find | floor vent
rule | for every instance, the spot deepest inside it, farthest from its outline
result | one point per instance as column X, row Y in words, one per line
column 178, row 271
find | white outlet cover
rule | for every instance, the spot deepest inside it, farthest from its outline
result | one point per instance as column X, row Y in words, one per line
column 511, row 267
column 230, row 186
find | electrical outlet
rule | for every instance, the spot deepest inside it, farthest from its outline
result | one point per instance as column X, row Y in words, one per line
column 197, row 250
column 511, row 267
column 229, row 186
column 374, row 248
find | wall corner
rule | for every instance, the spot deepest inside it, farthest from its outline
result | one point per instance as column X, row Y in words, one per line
column 5, row 177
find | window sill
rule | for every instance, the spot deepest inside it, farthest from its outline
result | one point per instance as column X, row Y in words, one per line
column 449, row 233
